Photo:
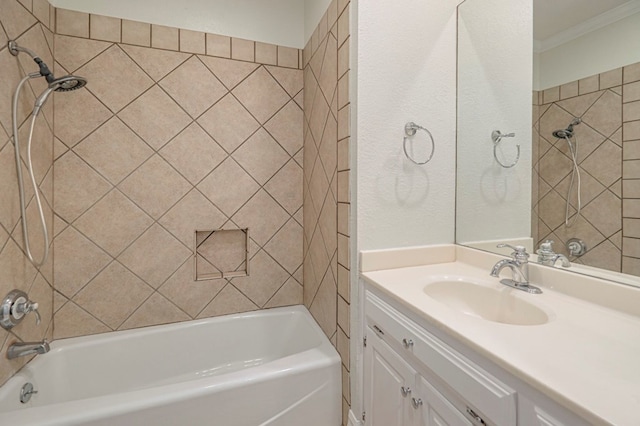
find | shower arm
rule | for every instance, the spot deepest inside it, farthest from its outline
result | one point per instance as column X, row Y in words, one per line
column 45, row 72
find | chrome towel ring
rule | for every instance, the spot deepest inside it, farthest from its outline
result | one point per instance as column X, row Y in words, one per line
column 496, row 137
column 410, row 130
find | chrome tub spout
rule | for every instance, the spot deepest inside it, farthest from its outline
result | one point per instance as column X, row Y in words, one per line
column 28, row 348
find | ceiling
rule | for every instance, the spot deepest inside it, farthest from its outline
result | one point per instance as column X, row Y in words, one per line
column 553, row 16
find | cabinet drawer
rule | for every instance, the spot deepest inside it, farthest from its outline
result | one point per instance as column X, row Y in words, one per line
column 495, row 400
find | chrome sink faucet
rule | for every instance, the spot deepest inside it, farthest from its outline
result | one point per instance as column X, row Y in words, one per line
column 28, row 348
column 546, row 255
column 519, row 265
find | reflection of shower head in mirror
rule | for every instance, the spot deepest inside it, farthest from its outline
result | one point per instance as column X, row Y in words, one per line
column 568, row 132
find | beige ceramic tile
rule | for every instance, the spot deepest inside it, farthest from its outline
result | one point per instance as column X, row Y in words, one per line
column 286, row 186
column 155, row 62
column 631, row 150
column 155, row 256
column 344, row 285
column 568, row 90
column 142, row 186
column 266, row 53
column 630, row 208
column 78, row 114
column 77, row 187
column 265, row 279
column 77, row 260
column 611, row 78
column 605, row 114
column 343, row 91
column 343, row 26
column 631, row 92
column 324, row 306
column 190, row 96
column 343, row 154
column 228, row 71
column 589, row 84
column 228, row 175
column 631, row 188
column 604, row 163
column 191, row 213
column 69, row 22
column 290, row 80
column 72, row 321
column 286, row 127
column 631, row 169
column 242, row 50
column 272, row 97
column 286, row 246
column 163, row 37
column 343, row 250
column 551, row 95
column 261, row 156
column 287, row 57
column 603, row 213
column 142, row 117
column 262, row 215
column 114, row 150
column 631, row 265
column 155, row 310
column 343, row 315
column 42, row 11
column 189, row 295
column 631, row 247
column 102, row 296
column 228, row 301
column 107, row 85
column 631, row 73
column 193, row 153
column 218, row 45
column 15, row 19
column 631, row 130
column 105, row 28
column 631, row 111
column 344, row 122
column 192, row 42
column 138, row 33
column 289, row 294
column 113, row 232
column 73, row 52
column 631, row 228
column 229, row 123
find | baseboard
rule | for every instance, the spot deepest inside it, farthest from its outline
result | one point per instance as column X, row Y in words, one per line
column 353, row 419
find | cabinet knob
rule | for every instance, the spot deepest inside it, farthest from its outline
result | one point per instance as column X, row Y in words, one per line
column 416, row 403
column 405, row 391
column 407, row 343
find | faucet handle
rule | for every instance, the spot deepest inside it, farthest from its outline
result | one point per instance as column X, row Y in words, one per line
column 519, row 252
column 26, row 307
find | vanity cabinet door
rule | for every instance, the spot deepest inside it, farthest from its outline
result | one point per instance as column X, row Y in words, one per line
column 434, row 409
column 388, row 385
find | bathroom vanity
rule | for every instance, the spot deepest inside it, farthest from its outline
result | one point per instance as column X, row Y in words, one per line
column 445, row 343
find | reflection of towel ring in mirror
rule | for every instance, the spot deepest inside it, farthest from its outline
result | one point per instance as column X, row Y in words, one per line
column 410, row 129
column 496, row 137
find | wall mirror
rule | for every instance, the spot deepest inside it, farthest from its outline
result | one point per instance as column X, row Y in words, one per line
column 560, row 82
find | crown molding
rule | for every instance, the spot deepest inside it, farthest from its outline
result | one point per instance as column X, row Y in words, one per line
column 607, row 18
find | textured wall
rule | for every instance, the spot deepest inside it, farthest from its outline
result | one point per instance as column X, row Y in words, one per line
column 164, row 140
column 20, row 21
column 326, row 181
column 606, row 166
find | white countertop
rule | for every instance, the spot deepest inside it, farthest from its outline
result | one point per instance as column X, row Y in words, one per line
column 587, row 357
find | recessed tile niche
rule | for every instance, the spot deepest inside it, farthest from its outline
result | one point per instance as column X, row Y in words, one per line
column 221, row 253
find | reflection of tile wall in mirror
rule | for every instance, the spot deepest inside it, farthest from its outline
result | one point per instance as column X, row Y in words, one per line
column 607, row 159
column 221, row 253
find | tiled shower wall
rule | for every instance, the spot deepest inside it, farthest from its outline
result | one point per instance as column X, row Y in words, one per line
column 326, row 181
column 20, row 21
column 176, row 131
column 607, row 163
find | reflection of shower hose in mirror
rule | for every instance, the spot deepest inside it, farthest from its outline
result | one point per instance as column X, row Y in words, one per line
column 575, row 176
column 23, row 210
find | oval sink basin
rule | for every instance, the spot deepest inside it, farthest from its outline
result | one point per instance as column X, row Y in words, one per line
column 497, row 305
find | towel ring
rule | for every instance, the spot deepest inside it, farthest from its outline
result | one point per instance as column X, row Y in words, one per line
column 496, row 137
column 410, row 130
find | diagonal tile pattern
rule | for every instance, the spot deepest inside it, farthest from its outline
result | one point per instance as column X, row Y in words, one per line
column 196, row 143
column 599, row 156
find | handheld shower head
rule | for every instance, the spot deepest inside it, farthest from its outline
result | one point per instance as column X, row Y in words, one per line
column 568, row 132
column 62, row 84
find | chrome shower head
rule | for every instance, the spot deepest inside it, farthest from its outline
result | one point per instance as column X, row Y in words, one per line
column 62, row 84
column 568, row 132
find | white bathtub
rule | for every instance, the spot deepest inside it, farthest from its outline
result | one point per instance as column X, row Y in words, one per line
column 271, row 367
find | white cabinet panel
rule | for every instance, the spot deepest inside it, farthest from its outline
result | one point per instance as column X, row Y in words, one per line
column 435, row 409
